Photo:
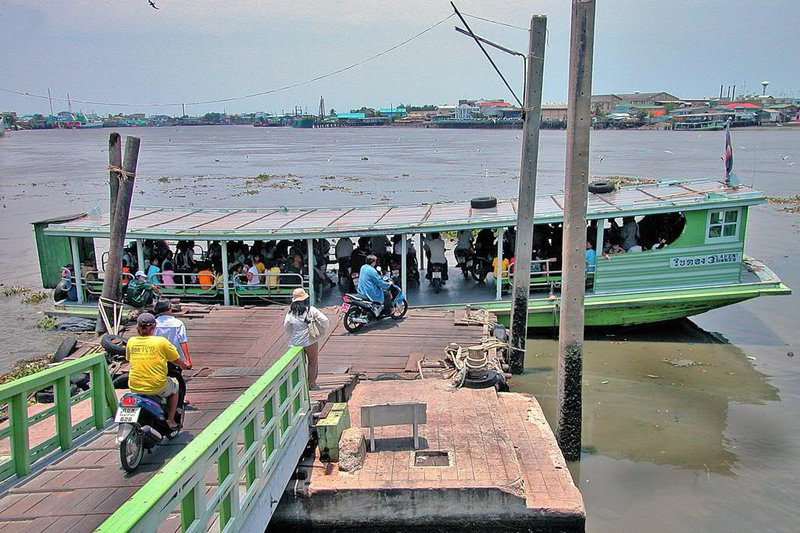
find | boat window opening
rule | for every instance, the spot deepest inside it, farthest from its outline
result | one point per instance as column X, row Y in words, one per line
column 723, row 224
column 667, row 225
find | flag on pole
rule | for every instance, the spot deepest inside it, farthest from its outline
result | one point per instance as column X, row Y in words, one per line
column 728, row 153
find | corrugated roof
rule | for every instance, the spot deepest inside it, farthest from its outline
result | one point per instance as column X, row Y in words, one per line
column 271, row 223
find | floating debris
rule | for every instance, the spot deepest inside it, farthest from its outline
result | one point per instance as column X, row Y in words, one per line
column 681, row 363
column 14, row 289
column 35, row 297
column 791, row 204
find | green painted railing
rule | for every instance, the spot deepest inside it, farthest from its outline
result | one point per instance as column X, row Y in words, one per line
column 243, row 446
column 16, row 393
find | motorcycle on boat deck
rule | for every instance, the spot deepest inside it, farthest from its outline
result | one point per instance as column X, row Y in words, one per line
column 359, row 310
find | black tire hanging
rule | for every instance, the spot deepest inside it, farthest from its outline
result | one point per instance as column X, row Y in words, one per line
column 601, row 186
column 113, row 344
column 483, row 202
column 67, row 346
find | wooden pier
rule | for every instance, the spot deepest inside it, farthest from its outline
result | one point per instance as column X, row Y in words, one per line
column 231, row 348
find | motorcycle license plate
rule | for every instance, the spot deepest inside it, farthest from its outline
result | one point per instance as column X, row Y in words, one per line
column 345, row 307
column 127, row 415
column 437, row 275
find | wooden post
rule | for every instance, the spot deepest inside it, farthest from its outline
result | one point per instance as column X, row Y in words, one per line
column 527, row 192
column 112, row 285
column 114, row 161
column 570, row 337
column 498, row 272
column 226, row 291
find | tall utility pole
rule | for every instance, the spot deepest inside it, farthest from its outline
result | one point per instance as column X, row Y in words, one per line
column 570, row 334
column 527, row 190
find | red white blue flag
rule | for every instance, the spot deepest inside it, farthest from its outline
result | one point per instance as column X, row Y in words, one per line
column 728, row 153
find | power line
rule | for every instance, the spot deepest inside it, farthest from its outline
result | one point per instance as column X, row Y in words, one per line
column 246, row 96
column 496, row 22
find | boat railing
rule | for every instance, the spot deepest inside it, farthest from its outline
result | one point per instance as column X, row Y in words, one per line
column 542, row 274
column 248, row 447
column 277, row 287
column 187, row 284
column 26, row 448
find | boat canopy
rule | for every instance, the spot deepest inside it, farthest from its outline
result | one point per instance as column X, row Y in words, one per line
column 320, row 222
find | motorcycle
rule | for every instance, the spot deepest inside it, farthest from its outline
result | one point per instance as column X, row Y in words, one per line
column 344, row 272
column 359, row 310
column 412, row 271
column 465, row 260
column 481, row 266
column 142, row 426
column 437, row 279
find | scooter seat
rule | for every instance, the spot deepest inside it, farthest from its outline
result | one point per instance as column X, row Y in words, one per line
column 357, row 296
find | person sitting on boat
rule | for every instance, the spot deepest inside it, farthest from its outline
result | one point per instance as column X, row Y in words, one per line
column 435, row 248
column 371, row 285
column 251, row 273
column 463, row 246
column 378, row 245
column 273, row 274
column 615, row 248
column 662, row 243
column 629, row 233
column 140, row 291
column 168, row 274
column 153, row 271
column 205, row 277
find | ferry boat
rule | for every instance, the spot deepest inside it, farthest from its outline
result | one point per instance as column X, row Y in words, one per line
column 702, row 267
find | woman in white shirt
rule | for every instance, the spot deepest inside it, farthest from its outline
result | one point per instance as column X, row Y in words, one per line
column 296, row 323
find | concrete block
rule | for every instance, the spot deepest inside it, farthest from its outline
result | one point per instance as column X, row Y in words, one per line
column 329, row 430
column 352, row 450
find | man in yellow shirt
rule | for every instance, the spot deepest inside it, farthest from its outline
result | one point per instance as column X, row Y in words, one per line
column 148, row 355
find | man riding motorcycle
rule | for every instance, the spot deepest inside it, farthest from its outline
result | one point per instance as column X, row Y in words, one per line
column 371, row 285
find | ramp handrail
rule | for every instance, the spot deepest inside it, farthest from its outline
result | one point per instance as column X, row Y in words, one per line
column 15, row 395
column 245, row 443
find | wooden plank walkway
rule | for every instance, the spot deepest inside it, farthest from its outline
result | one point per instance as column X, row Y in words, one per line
column 230, row 349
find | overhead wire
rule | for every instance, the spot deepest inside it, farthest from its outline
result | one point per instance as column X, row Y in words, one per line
column 242, row 97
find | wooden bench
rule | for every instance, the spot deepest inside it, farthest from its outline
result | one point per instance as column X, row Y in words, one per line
column 394, row 414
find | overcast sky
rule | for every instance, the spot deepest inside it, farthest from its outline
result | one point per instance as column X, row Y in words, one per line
column 196, row 50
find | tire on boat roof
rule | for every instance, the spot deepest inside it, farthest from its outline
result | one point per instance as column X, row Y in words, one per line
column 113, row 344
column 601, row 186
column 483, row 202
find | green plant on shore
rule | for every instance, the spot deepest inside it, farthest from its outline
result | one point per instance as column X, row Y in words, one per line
column 14, row 289
column 163, row 179
column 47, row 322
column 35, row 297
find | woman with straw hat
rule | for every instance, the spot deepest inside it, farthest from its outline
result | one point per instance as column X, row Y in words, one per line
column 305, row 324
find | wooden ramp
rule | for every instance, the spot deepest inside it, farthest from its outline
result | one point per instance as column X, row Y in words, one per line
column 231, row 348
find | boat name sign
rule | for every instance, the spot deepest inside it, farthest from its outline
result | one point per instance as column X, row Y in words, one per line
column 701, row 260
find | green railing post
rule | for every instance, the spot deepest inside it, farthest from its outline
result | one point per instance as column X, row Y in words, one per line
column 18, row 412
column 189, row 509
column 99, row 395
column 223, row 471
column 63, row 413
column 249, row 440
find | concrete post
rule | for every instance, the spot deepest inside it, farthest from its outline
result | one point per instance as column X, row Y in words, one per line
column 226, row 290
column 570, row 337
column 140, row 254
column 527, row 192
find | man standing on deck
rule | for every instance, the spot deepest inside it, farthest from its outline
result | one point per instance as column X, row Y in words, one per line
column 371, row 285
column 174, row 331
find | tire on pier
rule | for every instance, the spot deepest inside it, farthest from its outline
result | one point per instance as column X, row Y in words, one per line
column 483, row 202
column 113, row 344
column 601, row 187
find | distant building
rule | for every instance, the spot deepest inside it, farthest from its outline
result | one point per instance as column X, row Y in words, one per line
column 554, row 113
column 392, row 112
column 605, row 103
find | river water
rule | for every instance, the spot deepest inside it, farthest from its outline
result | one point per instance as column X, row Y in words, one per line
column 712, row 446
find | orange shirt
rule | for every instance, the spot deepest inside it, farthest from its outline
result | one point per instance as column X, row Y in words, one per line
column 206, row 279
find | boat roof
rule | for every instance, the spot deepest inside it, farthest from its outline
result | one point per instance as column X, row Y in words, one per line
column 319, row 222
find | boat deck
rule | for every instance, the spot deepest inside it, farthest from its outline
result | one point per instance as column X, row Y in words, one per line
column 231, row 348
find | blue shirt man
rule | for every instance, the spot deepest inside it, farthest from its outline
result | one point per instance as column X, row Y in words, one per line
column 591, row 258
column 370, row 283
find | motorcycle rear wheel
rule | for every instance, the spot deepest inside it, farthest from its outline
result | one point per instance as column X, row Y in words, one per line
column 131, row 451
column 479, row 271
column 437, row 285
column 351, row 313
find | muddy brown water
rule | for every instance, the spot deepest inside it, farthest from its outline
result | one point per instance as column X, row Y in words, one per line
column 710, row 445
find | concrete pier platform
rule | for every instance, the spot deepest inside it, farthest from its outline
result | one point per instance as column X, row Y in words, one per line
column 503, row 470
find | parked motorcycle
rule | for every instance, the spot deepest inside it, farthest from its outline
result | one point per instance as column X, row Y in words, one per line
column 344, row 272
column 481, row 266
column 360, row 310
column 412, row 268
column 465, row 260
column 142, row 426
